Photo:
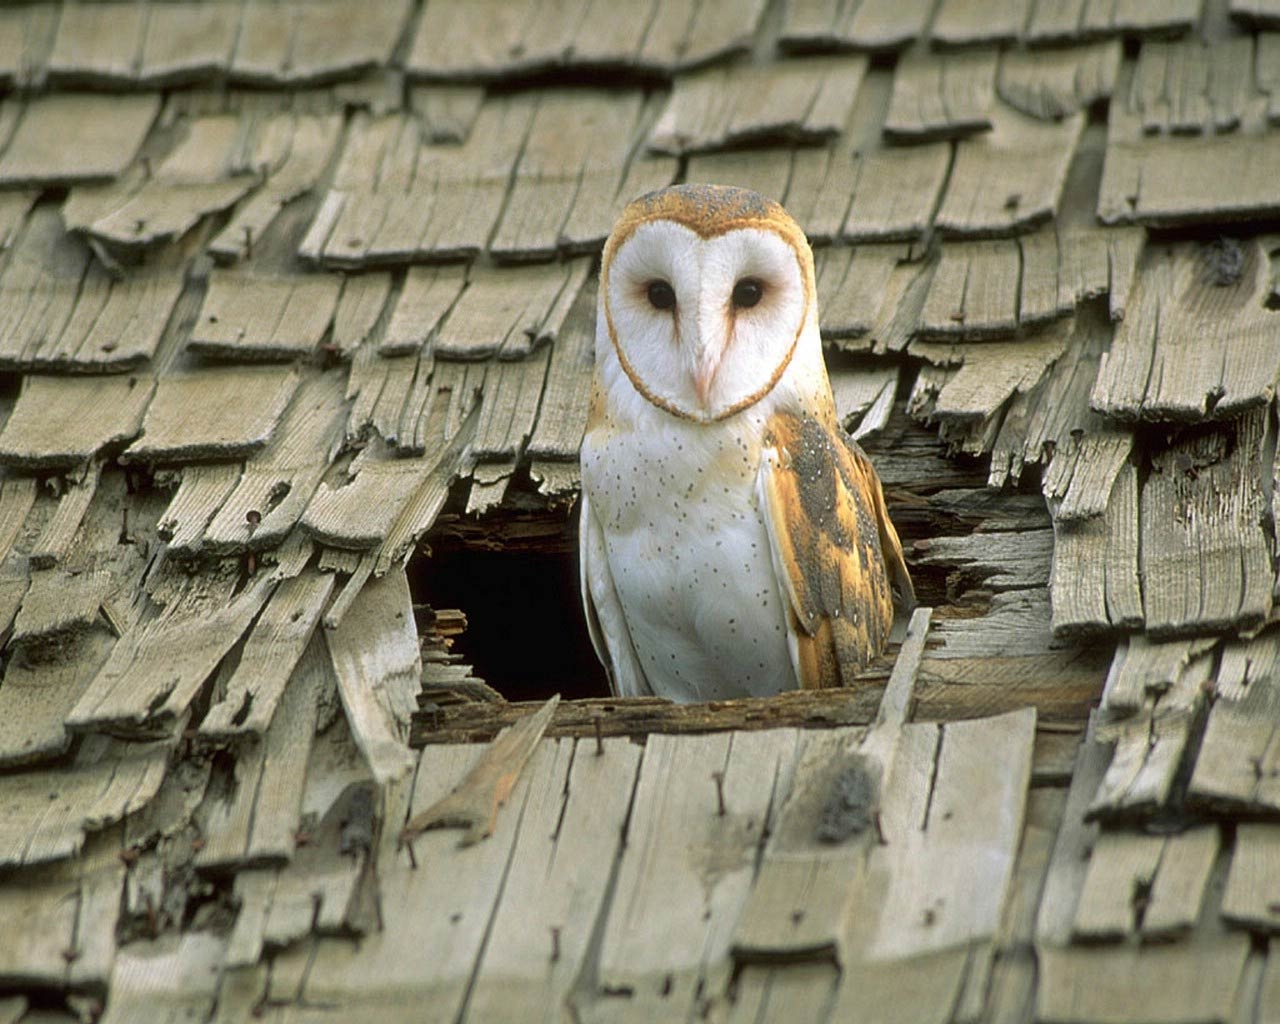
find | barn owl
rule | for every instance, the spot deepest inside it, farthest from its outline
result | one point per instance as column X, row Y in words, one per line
column 734, row 541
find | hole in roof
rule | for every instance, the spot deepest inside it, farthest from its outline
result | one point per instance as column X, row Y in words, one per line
column 526, row 636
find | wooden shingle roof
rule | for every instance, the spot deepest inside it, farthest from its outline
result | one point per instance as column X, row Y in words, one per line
column 291, row 290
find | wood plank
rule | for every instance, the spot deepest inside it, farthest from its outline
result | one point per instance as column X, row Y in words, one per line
column 196, row 501
column 510, row 311
column 851, row 283
column 272, row 650
column 870, row 25
column 1251, row 898
column 1070, row 861
column 169, row 978
column 964, row 23
column 804, row 100
column 279, row 481
column 59, row 532
column 509, row 407
column 309, row 142
column 375, row 654
column 428, row 295
column 326, row 43
column 1144, row 669
column 213, row 413
column 47, row 428
column 157, row 668
column 259, row 820
column 1179, row 983
column 359, row 514
column 109, row 131
column 1010, row 178
column 1095, row 583
column 975, row 291
column 941, row 95
column 70, row 911
column 460, row 886
column 1236, row 766
column 40, row 688
column 1151, row 747
column 39, row 286
column 808, row 878
column 48, row 811
column 967, row 906
column 1205, row 559
column 991, row 373
column 557, row 882
column 1056, row 83
column 1122, row 869
column 1185, row 867
column 258, row 317
column 1213, row 292
column 562, row 412
column 577, row 151
column 688, row 903
column 1140, row 185
column 186, row 46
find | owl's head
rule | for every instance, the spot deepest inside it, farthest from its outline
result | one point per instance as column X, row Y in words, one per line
column 706, row 292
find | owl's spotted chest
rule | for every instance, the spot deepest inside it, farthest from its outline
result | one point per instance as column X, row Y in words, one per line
column 690, row 560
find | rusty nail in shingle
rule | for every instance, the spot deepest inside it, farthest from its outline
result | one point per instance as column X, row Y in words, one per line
column 555, row 943
column 413, row 857
column 718, row 779
column 253, row 518
column 248, row 241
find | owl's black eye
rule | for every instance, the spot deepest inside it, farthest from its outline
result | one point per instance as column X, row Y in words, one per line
column 747, row 292
column 661, row 295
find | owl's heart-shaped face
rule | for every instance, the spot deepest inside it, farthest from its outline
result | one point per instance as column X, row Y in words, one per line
column 704, row 324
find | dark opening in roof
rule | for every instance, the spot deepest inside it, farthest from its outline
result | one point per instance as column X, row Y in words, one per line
column 526, row 635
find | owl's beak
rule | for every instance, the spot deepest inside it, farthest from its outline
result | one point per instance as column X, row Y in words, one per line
column 705, row 376
column 708, row 349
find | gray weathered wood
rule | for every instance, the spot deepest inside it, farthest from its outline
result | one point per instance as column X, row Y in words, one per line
column 61, row 422
column 802, row 893
column 1250, row 897
column 166, row 979
column 1205, row 557
column 47, row 812
column 871, row 24
column 804, row 100
column 1055, row 83
column 429, row 293
column 158, row 666
column 375, row 655
column 1237, row 763
column 558, row 879
column 260, row 821
column 280, row 479
column 1185, row 867
column 458, row 888
column 259, row 317
column 1194, row 342
column 964, row 22
column 974, row 292
column 1150, row 747
column 108, row 130
column 271, row 651
column 1010, row 178
column 941, row 96
column 1122, row 866
column 695, row 884
column 213, row 414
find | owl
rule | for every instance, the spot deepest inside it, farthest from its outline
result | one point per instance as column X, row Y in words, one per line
column 734, row 541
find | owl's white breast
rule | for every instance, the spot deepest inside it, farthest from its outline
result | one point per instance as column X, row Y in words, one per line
column 687, row 549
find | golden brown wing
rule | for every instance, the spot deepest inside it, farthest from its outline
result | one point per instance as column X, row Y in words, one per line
column 837, row 555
